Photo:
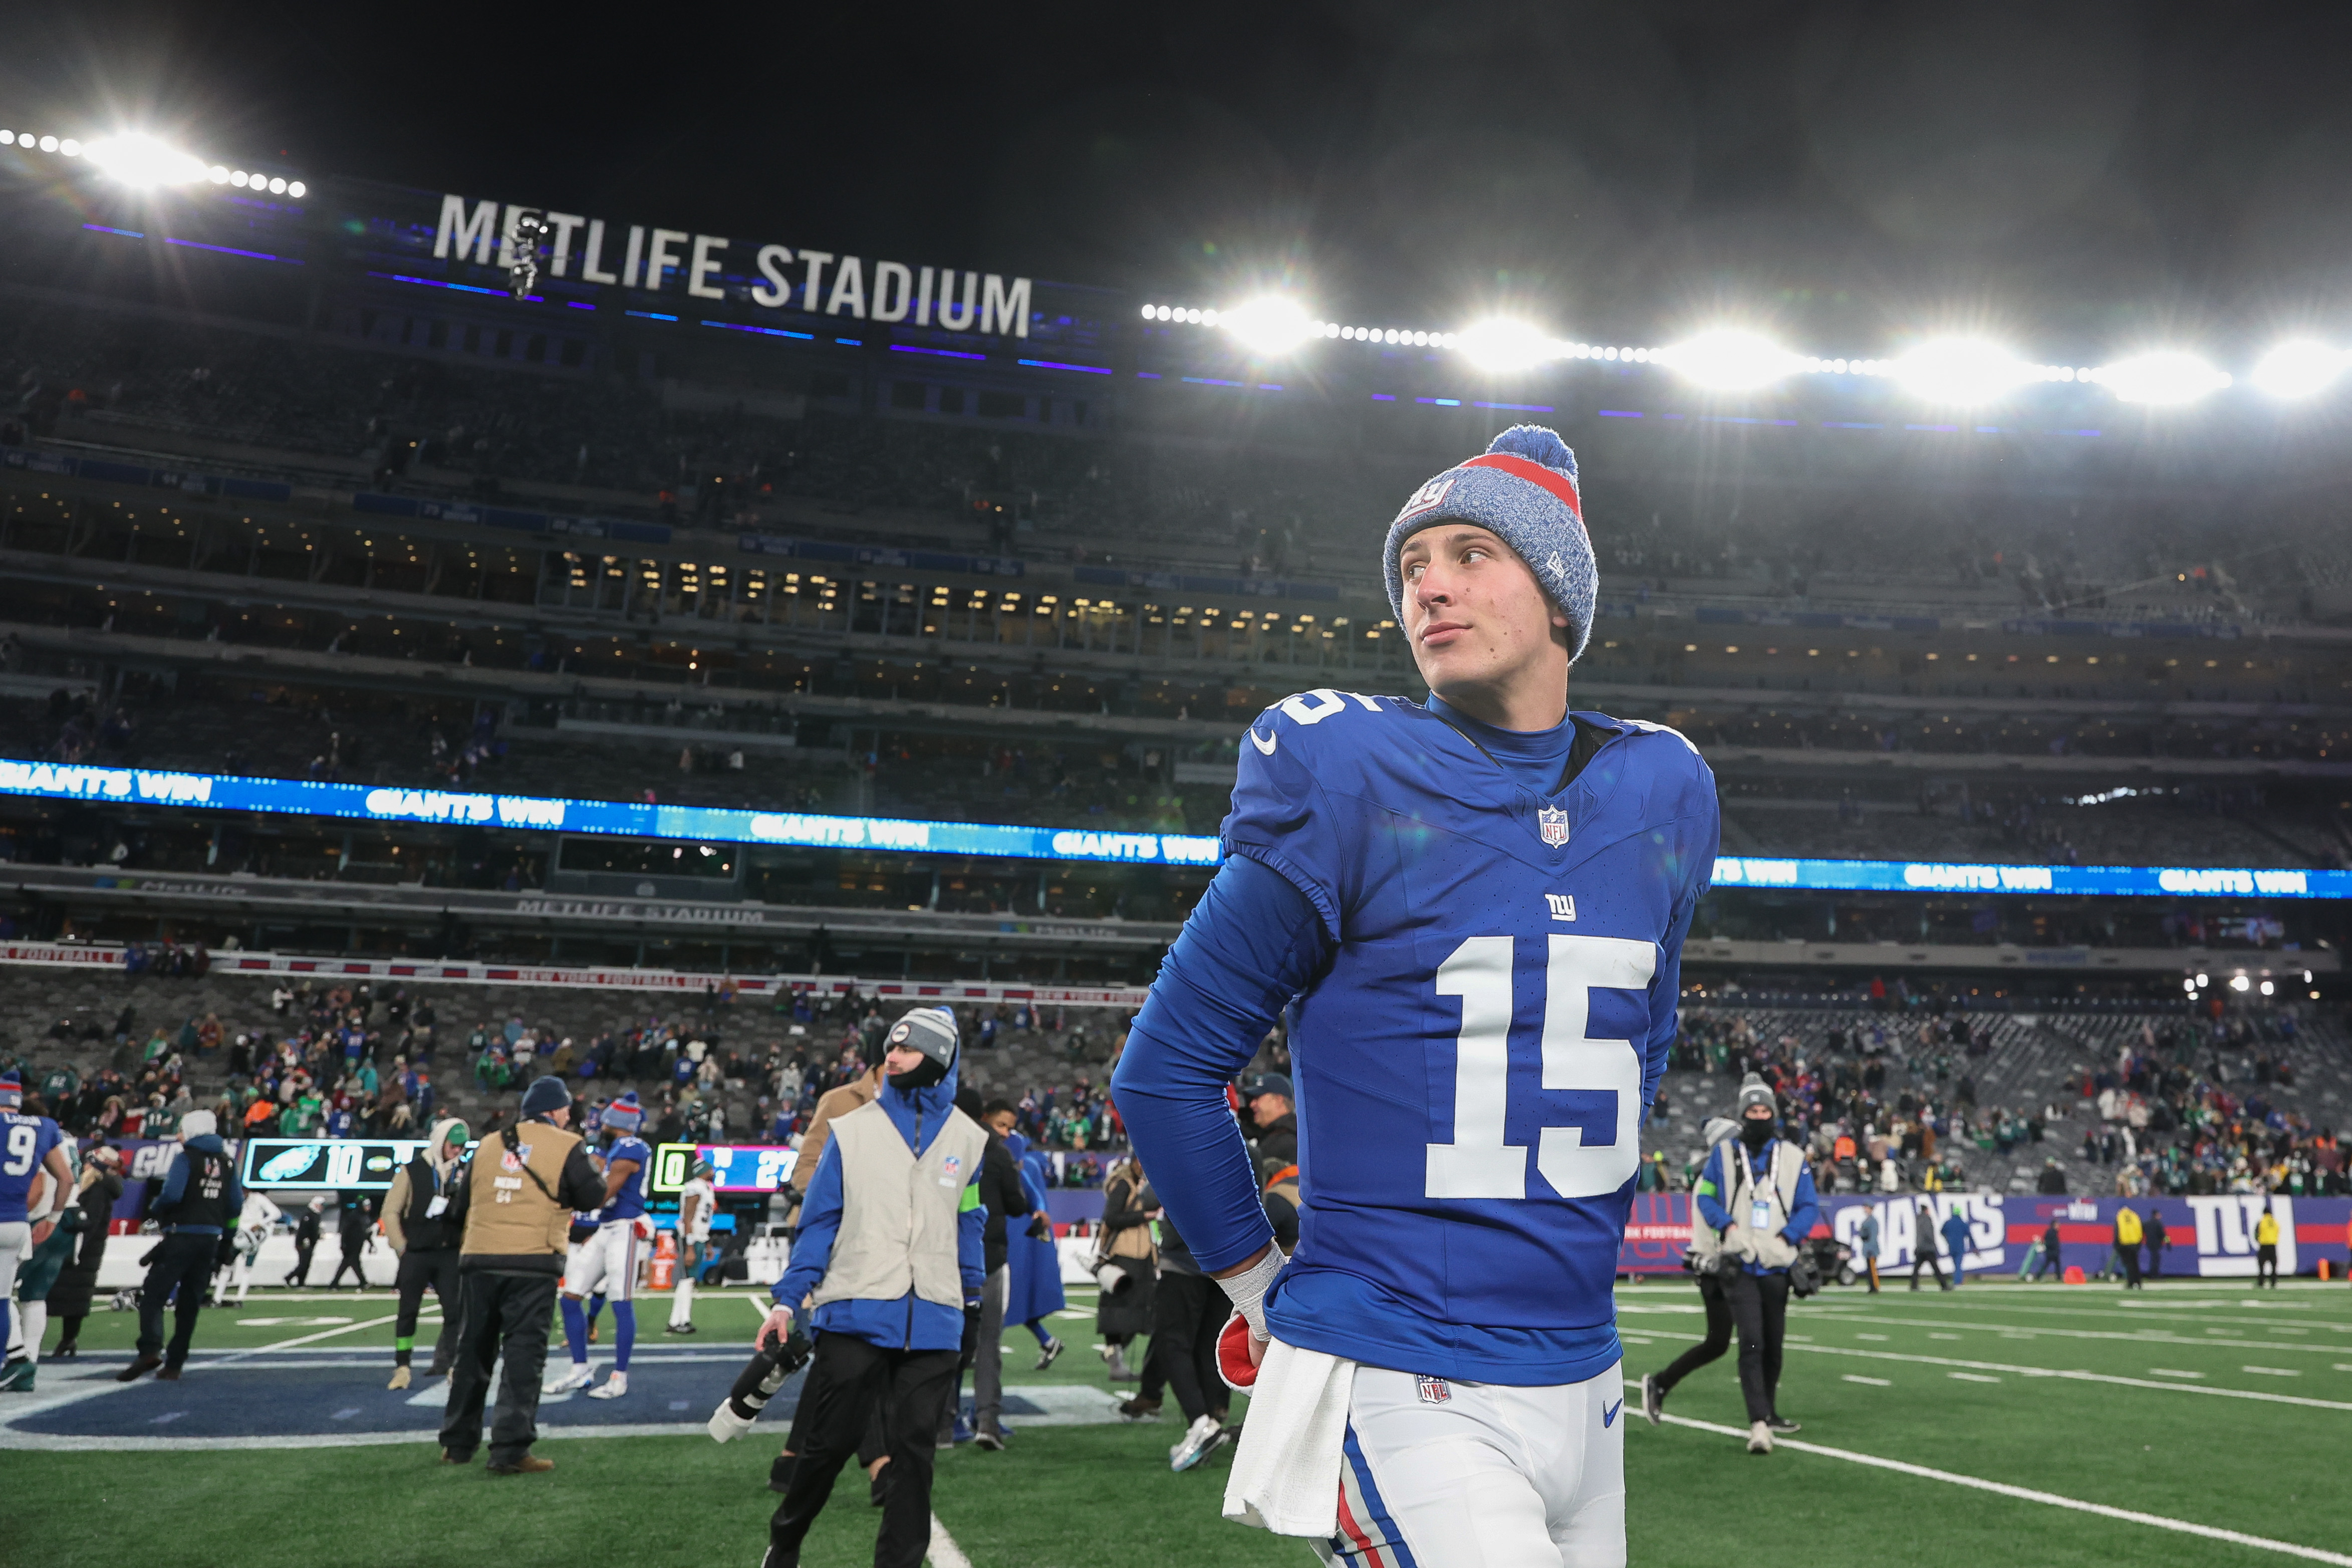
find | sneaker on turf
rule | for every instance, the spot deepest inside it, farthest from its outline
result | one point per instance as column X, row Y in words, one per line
column 1760, row 1439
column 1140, row 1409
column 989, row 1438
column 1050, row 1354
column 1653, row 1398
column 1782, row 1423
column 1200, row 1439
column 577, row 1374
column 613, row 1386
column 686, row 1327
column 401, row 1377
column 16, row 1377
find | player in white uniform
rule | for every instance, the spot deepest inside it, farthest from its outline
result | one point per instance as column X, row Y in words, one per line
column 254, row 1225
column 606, row 1262
column 697, row 1201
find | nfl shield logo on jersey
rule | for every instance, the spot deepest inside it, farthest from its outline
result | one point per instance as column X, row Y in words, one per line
column 1432, row 1390
column 1551, row 822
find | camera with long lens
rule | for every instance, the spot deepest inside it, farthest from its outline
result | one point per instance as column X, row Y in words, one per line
column 757, row 1383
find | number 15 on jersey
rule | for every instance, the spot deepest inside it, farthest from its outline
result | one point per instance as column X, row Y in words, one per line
column 1478, row 1163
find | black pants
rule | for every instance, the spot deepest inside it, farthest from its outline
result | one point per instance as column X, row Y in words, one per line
column 417, row 1270
column 351, row 1261
column 183, row 1263
column 1925, row 1258
column 1717, row 1340
column 2130, row 1256
column 301, row 1275
column 1759, row 1309
column 2154, row 1259
column 2266, row 1265
column 1188, row 1313
column 848, row 1379
column 501, row 1313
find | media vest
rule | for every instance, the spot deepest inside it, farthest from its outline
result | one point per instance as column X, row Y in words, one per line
column 899, row 1213
column 508, row 1214
column 1767, row 1246
column 204, row 1202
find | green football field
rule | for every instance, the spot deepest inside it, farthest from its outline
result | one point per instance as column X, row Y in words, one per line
column 2196, row 1424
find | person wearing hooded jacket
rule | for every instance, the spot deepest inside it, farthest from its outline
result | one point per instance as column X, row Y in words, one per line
column 889, row 1256
column 1758, row 1193
column 416, row 1221
column 1706, row 1248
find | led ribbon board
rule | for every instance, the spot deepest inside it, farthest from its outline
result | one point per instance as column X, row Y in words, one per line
column 1011, row 841
column 735, row 1167
column 351, row 1164
column 299, row 797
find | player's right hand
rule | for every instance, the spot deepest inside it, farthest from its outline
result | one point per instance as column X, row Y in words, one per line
column 778, row 1326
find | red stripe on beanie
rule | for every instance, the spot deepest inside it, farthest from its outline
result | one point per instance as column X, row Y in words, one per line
column 1552, row 479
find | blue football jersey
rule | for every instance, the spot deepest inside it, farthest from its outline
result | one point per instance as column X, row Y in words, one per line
column 630, row 1201
column 25, row 1145
column 1473, row 1062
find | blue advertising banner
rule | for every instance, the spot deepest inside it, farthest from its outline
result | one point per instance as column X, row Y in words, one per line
column 230, row 792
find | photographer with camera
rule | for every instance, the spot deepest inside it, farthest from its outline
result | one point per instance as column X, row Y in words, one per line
column 1706, row 1263
column 890, row 1254
column 1757, row 1193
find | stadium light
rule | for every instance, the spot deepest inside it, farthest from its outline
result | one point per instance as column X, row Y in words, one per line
column 1729, row 361
column 142, row 162
column 2299, row 368
column 1961, row 371
column 2238, row 982
column 2166, row 378
column 1269, row 325
column 1501, row 344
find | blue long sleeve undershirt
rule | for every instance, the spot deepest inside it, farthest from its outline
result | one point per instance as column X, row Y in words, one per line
column 1254, row 941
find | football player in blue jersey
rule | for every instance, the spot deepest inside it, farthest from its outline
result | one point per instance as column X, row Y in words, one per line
column 1478, row 905
column 607, row 1261
column 35, row 1182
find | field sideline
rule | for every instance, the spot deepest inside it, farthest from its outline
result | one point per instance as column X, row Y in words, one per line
column 2191, row 1424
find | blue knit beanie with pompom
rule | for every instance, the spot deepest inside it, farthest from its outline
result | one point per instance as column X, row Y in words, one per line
column 1523, row 490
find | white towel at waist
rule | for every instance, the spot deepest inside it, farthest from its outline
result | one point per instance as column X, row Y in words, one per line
column 1285, row 1475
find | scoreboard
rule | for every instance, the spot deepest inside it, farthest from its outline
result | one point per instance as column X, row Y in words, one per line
column 735, row 1167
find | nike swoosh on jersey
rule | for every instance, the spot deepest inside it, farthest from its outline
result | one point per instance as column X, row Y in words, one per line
column 1264, row 743
column 1609, row 1412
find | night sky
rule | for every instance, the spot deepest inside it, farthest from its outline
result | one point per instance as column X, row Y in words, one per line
column 2075, row 178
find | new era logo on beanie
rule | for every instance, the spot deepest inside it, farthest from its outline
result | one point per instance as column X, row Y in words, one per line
column 1523, row 490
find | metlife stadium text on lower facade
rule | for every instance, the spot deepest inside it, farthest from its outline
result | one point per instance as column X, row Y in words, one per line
column 230, row 792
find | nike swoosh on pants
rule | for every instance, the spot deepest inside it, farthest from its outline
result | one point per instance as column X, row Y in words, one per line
column 1609, row 1412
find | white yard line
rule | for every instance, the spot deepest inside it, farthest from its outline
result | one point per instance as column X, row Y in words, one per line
column 306, row 1339
column 944, row 1552
column 2023, row 1330
column 2073, row 1377
column 2027, row 1494
column 1872, row 1382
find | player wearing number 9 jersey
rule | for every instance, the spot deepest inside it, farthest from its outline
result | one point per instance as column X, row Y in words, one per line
column 1478, row 906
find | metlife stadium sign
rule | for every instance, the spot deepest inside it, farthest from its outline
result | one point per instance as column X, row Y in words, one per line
column 715, row 825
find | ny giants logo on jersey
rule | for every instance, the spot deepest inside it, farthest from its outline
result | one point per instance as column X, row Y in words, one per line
column 1551, row 825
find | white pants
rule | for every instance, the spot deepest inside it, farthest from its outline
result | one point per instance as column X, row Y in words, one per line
column 606, row 1262
column 1438, row 1474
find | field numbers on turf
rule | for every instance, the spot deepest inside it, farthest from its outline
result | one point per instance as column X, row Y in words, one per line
column 21, row 1137
column 1478, row 1163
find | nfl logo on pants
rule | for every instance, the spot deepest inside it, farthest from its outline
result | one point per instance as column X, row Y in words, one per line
column 1551, row 822
column 1432, row 1390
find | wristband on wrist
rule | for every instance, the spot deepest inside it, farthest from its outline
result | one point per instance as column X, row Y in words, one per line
column 1247, row 1289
